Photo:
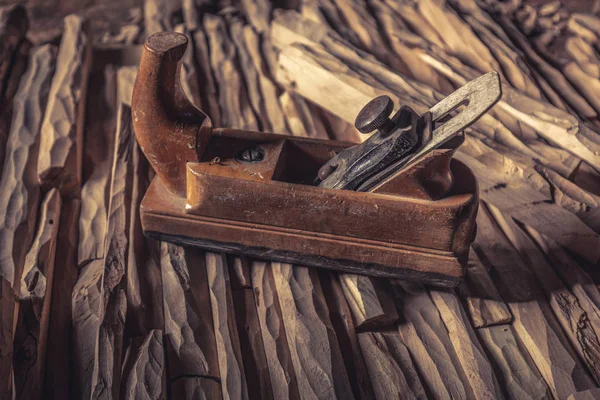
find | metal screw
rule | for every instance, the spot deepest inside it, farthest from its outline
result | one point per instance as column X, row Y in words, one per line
column 375, row 115
column 251, row 155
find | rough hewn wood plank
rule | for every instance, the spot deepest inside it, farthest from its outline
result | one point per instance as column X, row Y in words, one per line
column 317, row 362
column 370, row 302
column 234, row 104
column 190, row 339
column 13, row 27
column 485, row 305
column 393, row 374
column 98, row 151
column 61, row 145
column 233, row 378
column 7, row 310
column 281, row 370
column 580, row 325
column 427, row 340
column 18, row 67
column 209, row 95
column 255, row 363
column 534, row 322
column 58, row 377
column 143, row 369
column 341, row 320
column 516, row 372
column 35, row 297
column 20, row 190
column 473, row 360
column 592, row 394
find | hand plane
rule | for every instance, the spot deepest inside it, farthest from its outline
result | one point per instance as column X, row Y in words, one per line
column 397, row 205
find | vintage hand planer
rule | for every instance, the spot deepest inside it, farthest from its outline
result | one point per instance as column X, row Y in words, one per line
column 397, row 205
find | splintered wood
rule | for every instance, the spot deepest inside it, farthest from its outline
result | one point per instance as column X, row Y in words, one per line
column 90, row 308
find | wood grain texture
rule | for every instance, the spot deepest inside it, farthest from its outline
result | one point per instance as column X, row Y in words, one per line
column 341, row 321
column 370, row 302
column 98, row 151
column 473, row 360
column 35, row 297
column 592, row 394
column 514, row 368
column 277, row 352
column 61, row 144
column 485, row 305
column 144, row 368
column 234, row 104
column 254, row 359
column 209, row 97
column 20, row 193
column 7, row 311
column 13, row 27
column 534, row 321
column 315, row 354
column 424, row 334
column 190, row 338
column 58, row 380
column 189, row 77
column 233, row 378
column 17, row 68
column 392, row 372
column 581, row 329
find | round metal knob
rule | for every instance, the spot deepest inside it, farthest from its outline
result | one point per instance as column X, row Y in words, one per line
column 375, row 115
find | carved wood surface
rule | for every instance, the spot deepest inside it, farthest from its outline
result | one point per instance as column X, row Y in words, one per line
column 20, row 193
column 35, row 296
column 59, row 161
column 157, row 321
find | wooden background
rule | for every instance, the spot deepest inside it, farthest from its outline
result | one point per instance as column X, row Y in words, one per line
column 89, row 308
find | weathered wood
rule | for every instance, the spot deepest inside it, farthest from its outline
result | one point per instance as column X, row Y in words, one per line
column 233, row 378
column 20, row 190
column 341, row 320
column 581, row 329
column 277, row 352
column 485, row 305
column 370, row 302
column 258, row 13
column 209, row 96
column 144, row 281
column 235, row 109
column 98, row 151
column 18, row 67
column 61, row 145
column 320, row 373
column 189, row 77
column 592, row 394
column 423, row 333
column 35, row 297
column 88, row 312
column 534, row 322
column 473, row 360
column 190, row 339
column 143, row 369
column 7, row 309
column 513, row 366
column 13, row 27
column 157, row 16
column 390, row 367
column 248, row 71
column 300, row 120
column 58, row 381
column 110, row 351
column 255, row 363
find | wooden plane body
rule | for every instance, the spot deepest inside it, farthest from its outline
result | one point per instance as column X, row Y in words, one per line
column 271, row 210
column 254, row 193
